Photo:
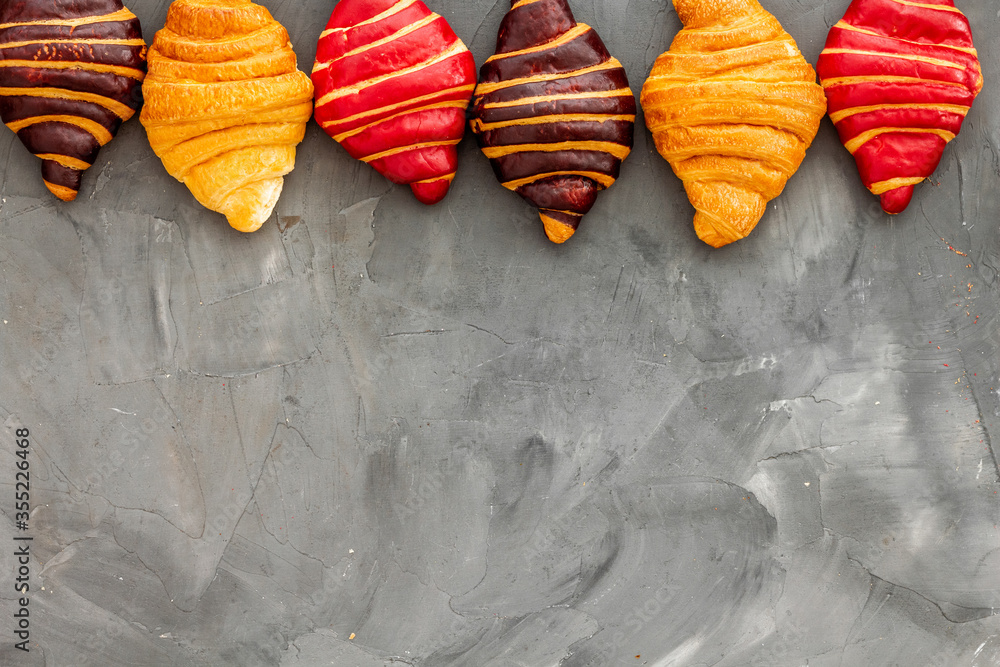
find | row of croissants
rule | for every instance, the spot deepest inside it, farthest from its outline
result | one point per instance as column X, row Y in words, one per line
column 732, row 106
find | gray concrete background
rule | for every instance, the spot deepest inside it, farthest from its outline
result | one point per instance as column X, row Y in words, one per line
column 433, row 430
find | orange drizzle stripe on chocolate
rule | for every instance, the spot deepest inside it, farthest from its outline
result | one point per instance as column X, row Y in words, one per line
column 115, row 42
column 99, row 132
column 480, row 126
column 621, row 92
column 486, row 88
column 122, row 111
column 101, row 68
column 120, row 15
column 603, row 179
column 65, row 160
column 568, row 36
column 609, row 147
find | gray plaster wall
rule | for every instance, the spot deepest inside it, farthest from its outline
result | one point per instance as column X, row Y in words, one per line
column 379, row 433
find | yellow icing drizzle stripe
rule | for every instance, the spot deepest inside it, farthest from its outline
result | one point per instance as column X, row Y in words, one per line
column 457, row 48
column 857, row 142
column 402, row 32
column 603, row 179
column 924, row 5
column 60, row 191
column 609, row 147
column 447, row 177
column 408, row 105
column 844, row 25
column 120, row 15
column 99, row 132
column 102, row 68
column 837, row 116
column 453, row 104
column 901, row 56
column 122, row 111
column 568, row 36
column 96, row 42
column 487, row 88
column 874, row 78
column 620, row 92
column 411, row 147
column 479, row 126
column 65, row 160
column 395, row 9
column 884, row 186
column 522, row 3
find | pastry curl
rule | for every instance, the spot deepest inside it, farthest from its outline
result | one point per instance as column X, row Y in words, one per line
column 732, row 106
column 225, row 105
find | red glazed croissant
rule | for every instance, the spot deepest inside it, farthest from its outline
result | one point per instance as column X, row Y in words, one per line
column 70, row 74
column 554, row 113
column 899, row 77
column 392, row 85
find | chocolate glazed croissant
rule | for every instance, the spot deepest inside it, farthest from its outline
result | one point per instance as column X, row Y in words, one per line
column 554, row 113
column 70, row 75
column 900, row 78
column 226, row 106
column 392, row 85
column 732, row 106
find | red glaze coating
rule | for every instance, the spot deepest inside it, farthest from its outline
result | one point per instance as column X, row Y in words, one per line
column 392, row 85
column 70, row 74
column 899, row 79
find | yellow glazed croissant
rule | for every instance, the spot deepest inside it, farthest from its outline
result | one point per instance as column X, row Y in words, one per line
column 225, row 105
column 732, row 106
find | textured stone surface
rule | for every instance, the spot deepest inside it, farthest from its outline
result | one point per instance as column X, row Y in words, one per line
column 432, row 430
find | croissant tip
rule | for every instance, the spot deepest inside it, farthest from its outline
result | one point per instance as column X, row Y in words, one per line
column 895, row 201
column 61, row 191
column 430, row 192
column 558, row 232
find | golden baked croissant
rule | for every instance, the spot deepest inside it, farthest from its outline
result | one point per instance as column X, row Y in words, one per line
column 225, row 105
column 732, row 106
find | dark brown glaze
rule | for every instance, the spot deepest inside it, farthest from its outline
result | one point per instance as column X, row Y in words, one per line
column 553, row 112
column 533, row 24
column 14, row 108
column 65, row 114
column 14, row 11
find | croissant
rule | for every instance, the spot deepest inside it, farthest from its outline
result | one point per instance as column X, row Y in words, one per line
column 225, row 105
column 732, row 106
column 554, row 112
column 393, row 82
column 70, row 74
column 899, row 78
